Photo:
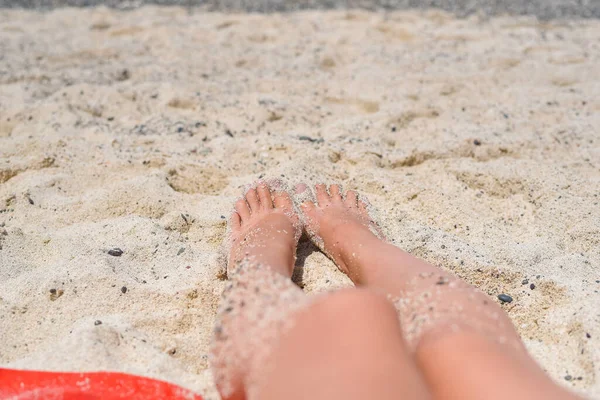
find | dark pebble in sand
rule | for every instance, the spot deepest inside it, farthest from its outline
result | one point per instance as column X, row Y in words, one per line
column 532, row 286
column 505, row 298
column 568, row 378
column 53, row 291
column 525, row 281
column 117, row 252
column 587, row 335
column 307, row 138
column 477, row 142
column 97, row 322
column 181, row 250
column 124, row 289
column 228, row 133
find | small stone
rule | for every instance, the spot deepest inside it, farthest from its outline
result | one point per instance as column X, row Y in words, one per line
column 505, row 298
column 116, row 252
column 477, row 142
column 228, row 133
column 307, row 138
column 123, row 75
column 443, row 246
column 124, row 289
column 568, row 378
column 532, row 286
column 56, row 293
column 587, row 335
column 525, row 281
column 97, row 322
column 181, row 250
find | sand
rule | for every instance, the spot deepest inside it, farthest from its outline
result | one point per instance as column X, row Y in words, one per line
column 477, row 140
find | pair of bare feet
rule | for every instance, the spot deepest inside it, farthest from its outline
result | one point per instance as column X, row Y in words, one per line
column 266, row 229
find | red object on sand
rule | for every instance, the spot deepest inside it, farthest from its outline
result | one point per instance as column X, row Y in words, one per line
column 38, row 385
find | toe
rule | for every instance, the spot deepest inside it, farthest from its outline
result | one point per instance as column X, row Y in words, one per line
column 351, row 199
column 252, row 199
column 322, row 195
column 362, row 206
column 300, row 188
column 336, row 195
column 310, row 210
column 242, row 209
column 282, row 200
column 235, row 221
column 264, row 194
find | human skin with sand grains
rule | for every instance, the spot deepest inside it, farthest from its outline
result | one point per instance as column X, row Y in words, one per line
column 408, row 330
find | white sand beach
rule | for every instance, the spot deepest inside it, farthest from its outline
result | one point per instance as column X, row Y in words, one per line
column 477, row 140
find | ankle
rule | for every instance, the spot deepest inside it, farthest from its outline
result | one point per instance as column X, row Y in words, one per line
column 359, row 248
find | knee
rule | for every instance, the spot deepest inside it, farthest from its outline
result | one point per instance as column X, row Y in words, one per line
column 355, row 305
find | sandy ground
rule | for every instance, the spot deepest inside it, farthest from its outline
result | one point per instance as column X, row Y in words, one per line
column 477, row 140
column 543, row 9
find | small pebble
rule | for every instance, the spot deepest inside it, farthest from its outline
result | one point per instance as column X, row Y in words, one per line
column 505, row 298
column 525, row 281
column 477, row 142
column 532, row 286
column 117, row 252
column 124, row 289
column 97, row 322
column 181, row 250
column 568, row 378
column 587, row 335
column 307, row 138
column 53, row 291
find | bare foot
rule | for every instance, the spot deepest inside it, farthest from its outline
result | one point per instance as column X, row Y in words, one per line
column 265, row 229
column 340, row 226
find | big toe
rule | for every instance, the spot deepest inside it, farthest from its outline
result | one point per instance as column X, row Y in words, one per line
column 264, row 195
column 300, row 188
column 309, row 209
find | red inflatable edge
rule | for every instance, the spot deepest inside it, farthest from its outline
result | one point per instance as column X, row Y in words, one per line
column 41, row 385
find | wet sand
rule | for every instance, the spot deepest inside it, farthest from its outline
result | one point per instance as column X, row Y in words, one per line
column 477, row 141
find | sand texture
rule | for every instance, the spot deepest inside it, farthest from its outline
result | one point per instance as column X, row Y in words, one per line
column 477, row 141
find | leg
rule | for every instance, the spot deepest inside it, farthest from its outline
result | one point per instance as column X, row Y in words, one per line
column 346, row 345
column 446, row 321
column 270, row 342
